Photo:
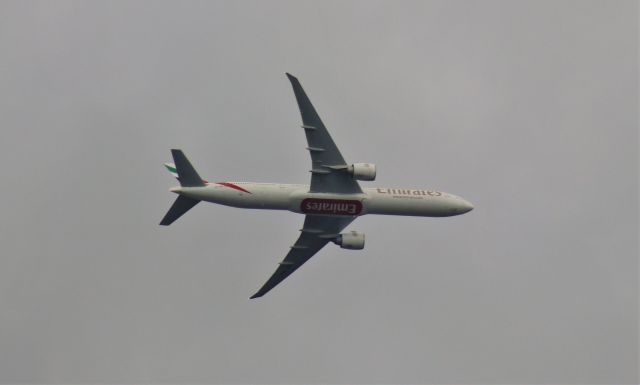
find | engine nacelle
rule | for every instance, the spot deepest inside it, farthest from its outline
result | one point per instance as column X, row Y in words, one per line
column 352, row 240
column 362, row 171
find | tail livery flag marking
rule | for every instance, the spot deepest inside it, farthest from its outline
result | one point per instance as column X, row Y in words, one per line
column 172, row 169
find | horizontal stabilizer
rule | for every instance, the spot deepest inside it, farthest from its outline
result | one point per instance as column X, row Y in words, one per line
column 179, row 207
column 187, row 175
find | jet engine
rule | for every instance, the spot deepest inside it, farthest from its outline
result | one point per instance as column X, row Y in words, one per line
column 362, row 171
column 352, row 240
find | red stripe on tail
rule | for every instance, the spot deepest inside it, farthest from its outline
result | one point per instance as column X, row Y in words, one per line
column 233, row 186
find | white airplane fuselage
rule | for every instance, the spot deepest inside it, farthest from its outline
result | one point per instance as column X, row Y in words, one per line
column 298, row 198
column 331, row 201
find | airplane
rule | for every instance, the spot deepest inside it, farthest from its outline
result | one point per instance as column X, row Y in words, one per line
column 330, row 202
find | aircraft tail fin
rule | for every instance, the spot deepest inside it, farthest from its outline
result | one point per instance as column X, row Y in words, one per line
column 178, row 208
column 172, row 169
column 183, row 170
column 188, row 177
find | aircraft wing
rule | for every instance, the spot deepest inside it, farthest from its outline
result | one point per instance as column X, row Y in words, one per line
column 328, row 168
column 316, row 233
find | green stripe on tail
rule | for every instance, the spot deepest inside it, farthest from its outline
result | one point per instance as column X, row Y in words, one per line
column 172, row 169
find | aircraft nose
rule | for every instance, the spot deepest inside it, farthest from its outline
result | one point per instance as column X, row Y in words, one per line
column 465, row 206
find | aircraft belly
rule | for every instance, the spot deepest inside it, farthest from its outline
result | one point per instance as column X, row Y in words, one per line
column 407, row 202
column 327, row 204
column 246, row 195
column 298, row 199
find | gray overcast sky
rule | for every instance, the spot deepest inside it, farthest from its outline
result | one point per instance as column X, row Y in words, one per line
column 527, row 109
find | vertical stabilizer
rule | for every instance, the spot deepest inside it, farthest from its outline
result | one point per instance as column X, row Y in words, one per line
column 188, row 177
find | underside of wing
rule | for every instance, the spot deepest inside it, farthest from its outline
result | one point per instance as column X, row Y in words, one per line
column 316, row 233
column 328, row 167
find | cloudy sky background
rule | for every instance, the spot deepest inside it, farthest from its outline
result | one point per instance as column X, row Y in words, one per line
column 527, row 109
